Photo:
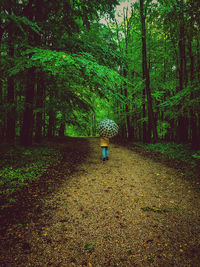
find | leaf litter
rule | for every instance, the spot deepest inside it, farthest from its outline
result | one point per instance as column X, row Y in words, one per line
column 95, row 213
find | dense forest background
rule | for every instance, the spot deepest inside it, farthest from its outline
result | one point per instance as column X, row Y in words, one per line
column 67, row 64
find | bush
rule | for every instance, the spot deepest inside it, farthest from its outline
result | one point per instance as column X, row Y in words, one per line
column 173, row 150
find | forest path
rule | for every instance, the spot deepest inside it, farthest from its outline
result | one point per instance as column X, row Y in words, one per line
column 127, row 211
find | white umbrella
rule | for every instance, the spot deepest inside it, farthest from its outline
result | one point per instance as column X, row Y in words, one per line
column 107, row 128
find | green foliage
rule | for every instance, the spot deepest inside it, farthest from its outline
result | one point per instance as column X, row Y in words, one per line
column 21, row 22
column 99, row 41
column 196, row 155
column 172, row 150
column 11, row 200
column 83, row 62
column 162, row 128
column 21, row 166
column 89, row 246
column 78, row 68
column 79, row 78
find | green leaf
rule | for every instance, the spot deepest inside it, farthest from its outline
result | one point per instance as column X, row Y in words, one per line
column 89, row 246
column 154, row 209
column 158, row 219
column 196, row 155
column 11, row 200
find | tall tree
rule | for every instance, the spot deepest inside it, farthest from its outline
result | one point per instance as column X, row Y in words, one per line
column 10, row 124
column 40, row 95
column 28, row 119
column 182, row 129
column 146, row 77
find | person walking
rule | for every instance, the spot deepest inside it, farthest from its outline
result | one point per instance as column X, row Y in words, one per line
column 107, row 129
column 104, row 143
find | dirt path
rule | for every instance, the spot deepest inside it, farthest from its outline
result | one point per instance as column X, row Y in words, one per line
column 128, row 211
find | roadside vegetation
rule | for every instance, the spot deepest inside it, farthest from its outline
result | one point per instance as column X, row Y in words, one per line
column 20, row 166
column 183, row 152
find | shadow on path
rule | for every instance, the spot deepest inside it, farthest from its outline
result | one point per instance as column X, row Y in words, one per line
column 28, row 200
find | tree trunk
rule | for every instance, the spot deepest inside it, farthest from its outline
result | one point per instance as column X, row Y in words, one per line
column 27, row 125
column 93, row 124
column 144, row 124
column 34, row 39
column 62, row 130
column 194, row 130
column 10, row 122
column 2, row 121
column 44, row 132
column 198, row 59
column 127, row 110
column 146, row 77
column 182, row 129
column 39, row 105
column 198, row 135
column 51, row 125
column 193, row 115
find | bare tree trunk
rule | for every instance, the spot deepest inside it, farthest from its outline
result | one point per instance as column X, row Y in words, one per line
column 10, row 122
column 26, row 135
column 2, row 122
column 144, row 124
column 51, row 125
column 52, row 117
column 62, row 130
column 146, row 77
column 39, row 105
column 127, row 110
column 193, row 115
column 198, row 59
column 182, row 128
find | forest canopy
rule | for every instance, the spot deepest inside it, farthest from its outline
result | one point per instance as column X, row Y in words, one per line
column 67, row 64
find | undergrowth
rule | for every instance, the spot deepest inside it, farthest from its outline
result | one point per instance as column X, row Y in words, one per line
column 20, row 166
column 173, row 150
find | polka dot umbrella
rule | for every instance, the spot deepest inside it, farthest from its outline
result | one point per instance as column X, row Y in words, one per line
column 107, row 128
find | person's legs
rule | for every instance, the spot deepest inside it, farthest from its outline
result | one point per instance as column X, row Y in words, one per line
column 106, row 152
column 103, row 149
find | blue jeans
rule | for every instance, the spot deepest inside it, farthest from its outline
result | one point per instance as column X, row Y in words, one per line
column 104, row 151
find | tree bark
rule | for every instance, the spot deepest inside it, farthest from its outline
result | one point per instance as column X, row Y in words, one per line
column 146, row 77
column 34, row 39
column 39, row 105
column 51, row 125
column 27, row 125
column 127, row 110
column 10, row 121
column 62, row 130
column 193, row 116
column 2, row 122
column 144, row 124
column 198, row 59
column 182, row 127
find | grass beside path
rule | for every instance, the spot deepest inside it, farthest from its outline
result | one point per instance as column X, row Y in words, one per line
column 174, row 151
